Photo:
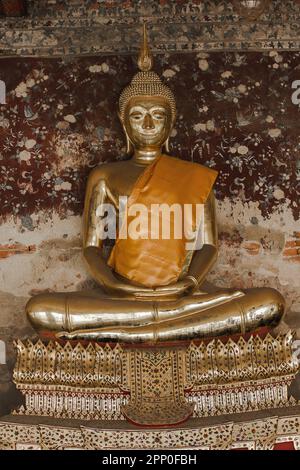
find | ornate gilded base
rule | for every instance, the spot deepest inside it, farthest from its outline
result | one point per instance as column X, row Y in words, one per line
column 256, row 433
column 155, row 385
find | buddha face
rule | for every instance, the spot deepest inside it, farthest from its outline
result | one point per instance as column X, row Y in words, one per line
column 148, row 121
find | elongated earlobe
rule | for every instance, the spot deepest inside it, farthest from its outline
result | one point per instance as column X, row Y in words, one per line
column 167, row 146
column 129, row 146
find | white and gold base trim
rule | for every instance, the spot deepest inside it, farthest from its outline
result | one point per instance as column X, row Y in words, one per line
column 253, row 434
column 155, row 385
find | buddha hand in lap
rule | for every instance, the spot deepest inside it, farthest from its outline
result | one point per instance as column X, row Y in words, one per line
column 149, row 289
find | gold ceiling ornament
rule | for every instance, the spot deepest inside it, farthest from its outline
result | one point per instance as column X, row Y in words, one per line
column 146, row 82
column 250, row 10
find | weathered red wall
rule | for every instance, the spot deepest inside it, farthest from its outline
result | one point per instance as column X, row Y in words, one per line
column 234, row 113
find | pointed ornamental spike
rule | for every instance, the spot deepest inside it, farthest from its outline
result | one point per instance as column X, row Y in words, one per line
column 145, row 59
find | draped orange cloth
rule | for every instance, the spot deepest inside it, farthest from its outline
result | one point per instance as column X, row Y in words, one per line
column 151, row 261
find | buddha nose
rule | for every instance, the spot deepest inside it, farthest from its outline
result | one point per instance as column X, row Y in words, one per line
column 148, row 122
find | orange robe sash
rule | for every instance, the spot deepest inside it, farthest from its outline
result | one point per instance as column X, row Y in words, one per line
column 158, row 261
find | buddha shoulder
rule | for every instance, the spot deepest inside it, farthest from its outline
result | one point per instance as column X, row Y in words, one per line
column 106, row 171
column 116, row 177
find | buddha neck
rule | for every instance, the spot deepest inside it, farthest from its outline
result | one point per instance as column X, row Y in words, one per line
column 145, row 156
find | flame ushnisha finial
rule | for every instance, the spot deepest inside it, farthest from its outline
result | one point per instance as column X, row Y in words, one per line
column 145, row 59
column 146, row 82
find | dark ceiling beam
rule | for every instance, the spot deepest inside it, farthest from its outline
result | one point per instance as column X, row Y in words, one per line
column 14, row 8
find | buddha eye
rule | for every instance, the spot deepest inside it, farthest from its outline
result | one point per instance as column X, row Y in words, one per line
column 159, row 115
column 136, row 116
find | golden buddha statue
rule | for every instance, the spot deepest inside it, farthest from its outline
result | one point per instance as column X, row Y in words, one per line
column 150, row 291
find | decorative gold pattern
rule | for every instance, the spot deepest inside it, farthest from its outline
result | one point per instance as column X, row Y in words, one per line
column 157, row 388
column 259, row 434
column 60, row 438
column 240, row 376
column 214, row 437
column 263, row 432
column 71, row 382
column 243, row 397
column 66, row 366
column 11, row 435
column 242, row 360
column 289, row 425
column 76, row 404
column 154, row 385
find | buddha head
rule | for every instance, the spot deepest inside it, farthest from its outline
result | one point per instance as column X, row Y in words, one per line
column 147, row 107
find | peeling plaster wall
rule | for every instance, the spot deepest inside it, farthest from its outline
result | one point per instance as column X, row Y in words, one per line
column 258, row 255
column 235, row 114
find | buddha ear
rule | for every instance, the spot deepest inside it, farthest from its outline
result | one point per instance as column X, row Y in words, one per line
column 167, row 142
column 129, row 146
column 167, row 145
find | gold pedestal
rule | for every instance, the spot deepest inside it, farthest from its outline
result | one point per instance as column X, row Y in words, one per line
column 154, row 385
column 276, row 431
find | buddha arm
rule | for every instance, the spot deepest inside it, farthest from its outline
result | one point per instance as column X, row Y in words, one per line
column 97, row 194
column 204, row 259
